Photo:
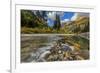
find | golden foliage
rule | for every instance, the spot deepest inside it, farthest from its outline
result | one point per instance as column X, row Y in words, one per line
column 77, row 46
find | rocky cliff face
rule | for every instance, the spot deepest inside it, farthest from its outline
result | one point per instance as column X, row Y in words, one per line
column 80, row 25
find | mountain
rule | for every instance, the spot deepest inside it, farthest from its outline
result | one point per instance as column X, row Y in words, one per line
column 31, row 19
column 80, row 25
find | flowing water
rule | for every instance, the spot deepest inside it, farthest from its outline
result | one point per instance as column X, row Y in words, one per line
column 34, row 48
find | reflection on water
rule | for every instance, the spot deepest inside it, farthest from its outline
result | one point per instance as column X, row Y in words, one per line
column 54, row 48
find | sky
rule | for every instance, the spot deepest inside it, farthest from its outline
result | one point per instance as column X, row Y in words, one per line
column 67, row 15
column 64, row 17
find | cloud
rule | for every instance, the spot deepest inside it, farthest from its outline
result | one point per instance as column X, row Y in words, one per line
column 74, row 17
column 52, row 15
column 79, row 14
column 60, row 13
column 65, row 20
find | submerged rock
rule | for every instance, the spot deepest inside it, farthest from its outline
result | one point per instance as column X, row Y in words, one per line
column 66, row 47
column 56, row 52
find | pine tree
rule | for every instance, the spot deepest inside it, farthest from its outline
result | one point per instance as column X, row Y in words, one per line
column 57, row 24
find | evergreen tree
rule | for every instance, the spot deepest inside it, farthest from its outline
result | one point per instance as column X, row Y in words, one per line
column 57, row 24
column 26, row 18
column 29, row 19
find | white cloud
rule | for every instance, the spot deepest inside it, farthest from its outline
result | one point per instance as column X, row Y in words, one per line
column 65, row 20
column 79, row 14
column 60, row 13
column 51, row 15
column 74, row 17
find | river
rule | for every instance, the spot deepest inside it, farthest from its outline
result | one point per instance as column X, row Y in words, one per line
column 34, row 48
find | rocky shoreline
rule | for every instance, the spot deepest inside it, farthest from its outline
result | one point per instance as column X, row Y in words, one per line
column 58, row 52
column 55, row 48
